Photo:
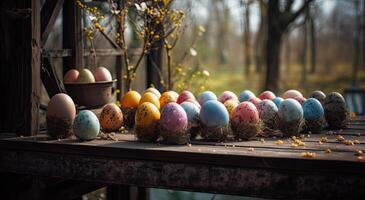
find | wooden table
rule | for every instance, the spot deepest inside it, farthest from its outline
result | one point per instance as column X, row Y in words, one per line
column 261, row 168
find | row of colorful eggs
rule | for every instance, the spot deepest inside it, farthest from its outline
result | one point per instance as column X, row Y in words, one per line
column 86, row 76
column 213, row 115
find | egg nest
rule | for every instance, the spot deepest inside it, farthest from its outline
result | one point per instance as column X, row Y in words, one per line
column 270, row 126
column 193, row 131
column 215, row 133
column 314, row 125
column 171, row 137
column 246, row 131
column 128, row 118
column 337, row 118
column 59, row 128
column 292, row 128
column 147, row 134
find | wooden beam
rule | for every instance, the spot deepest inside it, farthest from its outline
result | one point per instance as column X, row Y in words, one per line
column 49, row 13
column 50, row 80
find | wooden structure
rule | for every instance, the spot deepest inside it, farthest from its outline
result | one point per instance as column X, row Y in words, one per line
column 259, row 168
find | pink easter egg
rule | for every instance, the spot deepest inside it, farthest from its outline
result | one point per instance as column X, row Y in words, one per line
column 226, row 95
column 255, row 101
column 245, row 113
column 184, row 95
column 300, row 99
column 267, row 95
column 291, row 94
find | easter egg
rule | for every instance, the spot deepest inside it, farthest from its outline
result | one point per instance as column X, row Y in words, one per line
column 214, row 114
column 150, row 97
column 167, row 97
column 319, row 95
column 154, row 91
column 290, row 110
column 245, row 120
column 267, row 95
column 175, row 94
column 86, row 125
column 245, row 113
column 255, row 101
column 111, row 118
column 184, row 95
column 226, row 95
column 230, row 105
column 335, row 110
column 130, row 99
column 174, row 124
column 277, row 101
column 300, row 99
column 102, row 74
column 146, row 120
column 267, row 109
column 85, row 76
column 246, row 95
column 291, row 94
column 61, row 113
column 214, row 119
column 194, row 102
column 313, row 109
column 192, row 112
column 206, row 96
column 71, row 76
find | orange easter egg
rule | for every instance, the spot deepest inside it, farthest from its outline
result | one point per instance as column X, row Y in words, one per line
column 111, row 118
column 167, row 97
column 130, row 99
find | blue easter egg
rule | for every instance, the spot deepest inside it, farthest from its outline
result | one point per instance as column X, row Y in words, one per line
column 313, row 109
column 246, row 95
column 277, row 101
column 206, row 96
column 86, row 125
column 290, row 110
column 192, row 111
column 213, row 114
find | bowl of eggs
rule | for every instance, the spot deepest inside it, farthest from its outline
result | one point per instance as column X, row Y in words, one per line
column 91, row 89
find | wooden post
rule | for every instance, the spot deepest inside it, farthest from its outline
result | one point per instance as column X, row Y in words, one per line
column 19, row 66
column 72, row 35
column 154, row 65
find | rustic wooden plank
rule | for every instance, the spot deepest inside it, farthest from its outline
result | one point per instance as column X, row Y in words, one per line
column 56, row 53
column 50, row 80
column 217, row 177
column 49, row 13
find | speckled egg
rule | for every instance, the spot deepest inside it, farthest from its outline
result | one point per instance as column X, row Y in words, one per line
column 335, row 110
column 267, row 95
column 150, row 97
column 214, row 114
column 246, row 95
column 290, row 110
column 267, row 109
column 206, row 96
column 230, row 105
column 312, row 109
column 319, row 95
column 255, row 101
column 175, row 94
column 245, row 113
column 300, row 99
column 173, row 118
column 167, row 97
column 130, row 99
column 86, row 125
column 85, row 76
column 147, row 118
column 102, row 74
column 61, row 113
column 226, row 95
column 154, row 91
column 192, row 112
column 184, row 95
column 277, row 101
column 71, row 76
column 291, row 94
column 111, row 118
column 195, row 102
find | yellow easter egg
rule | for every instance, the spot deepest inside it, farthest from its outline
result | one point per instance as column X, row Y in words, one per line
column 130, row 99
column 150, row 97
column 230, row 105
column 167, row 97
column 147, row 115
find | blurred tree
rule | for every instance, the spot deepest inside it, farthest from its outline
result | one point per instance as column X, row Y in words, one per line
column 313, row 42
column 278, row 22
column 304, row 50
column 246, row 4
column 357, row 40
column 261, row 36
column 222, row 12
